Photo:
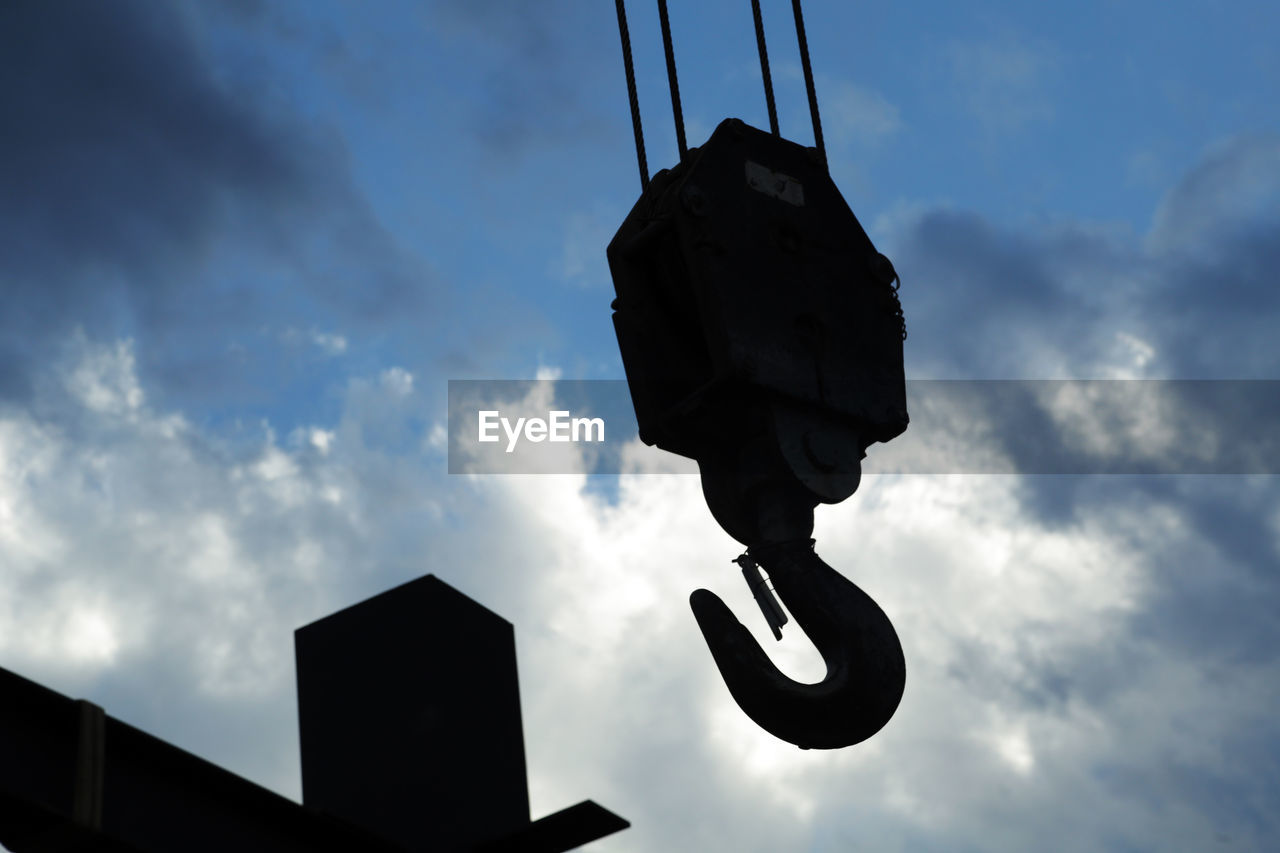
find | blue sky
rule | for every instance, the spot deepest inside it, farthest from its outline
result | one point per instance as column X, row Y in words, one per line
column 245, row 245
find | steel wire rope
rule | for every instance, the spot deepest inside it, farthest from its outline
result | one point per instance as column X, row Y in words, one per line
column 671, row 78
column 808, row 81
column 629, row 67
column 764, row 68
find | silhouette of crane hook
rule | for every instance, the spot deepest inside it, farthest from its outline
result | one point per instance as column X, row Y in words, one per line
column 866, row 670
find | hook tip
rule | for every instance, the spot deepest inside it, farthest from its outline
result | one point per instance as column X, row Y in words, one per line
column 713, row 615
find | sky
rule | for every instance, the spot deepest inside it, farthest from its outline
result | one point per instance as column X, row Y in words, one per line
column 244, row 246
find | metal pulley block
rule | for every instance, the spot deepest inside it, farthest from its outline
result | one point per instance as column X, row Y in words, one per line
column 753, row 310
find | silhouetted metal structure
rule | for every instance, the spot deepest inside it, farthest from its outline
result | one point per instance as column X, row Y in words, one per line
column 761, row 334
column 409, row 716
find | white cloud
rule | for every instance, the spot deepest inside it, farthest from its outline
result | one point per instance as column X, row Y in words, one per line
column 163, row 564
column 103, row 378
column 329, row 343
column 398, row 381
column 81, row 633
column 321, row 439
column 134, row 547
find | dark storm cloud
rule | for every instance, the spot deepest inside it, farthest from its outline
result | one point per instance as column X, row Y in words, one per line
column 985, row 301
column 126, row 168
column 122, row 151
column 1217, row 315
column 1195, row 298
column 1088, row 427
column 978, row 296
column 529, row 61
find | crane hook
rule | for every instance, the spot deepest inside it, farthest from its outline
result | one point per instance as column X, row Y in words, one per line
column 761, row 333
column 866, row 670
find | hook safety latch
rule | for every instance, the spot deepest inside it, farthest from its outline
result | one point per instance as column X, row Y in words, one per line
column 760, row 589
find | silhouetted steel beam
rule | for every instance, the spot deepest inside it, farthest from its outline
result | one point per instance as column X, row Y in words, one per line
column 74, row 778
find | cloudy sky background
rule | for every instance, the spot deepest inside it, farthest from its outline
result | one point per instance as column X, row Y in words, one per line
column 243, row 247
